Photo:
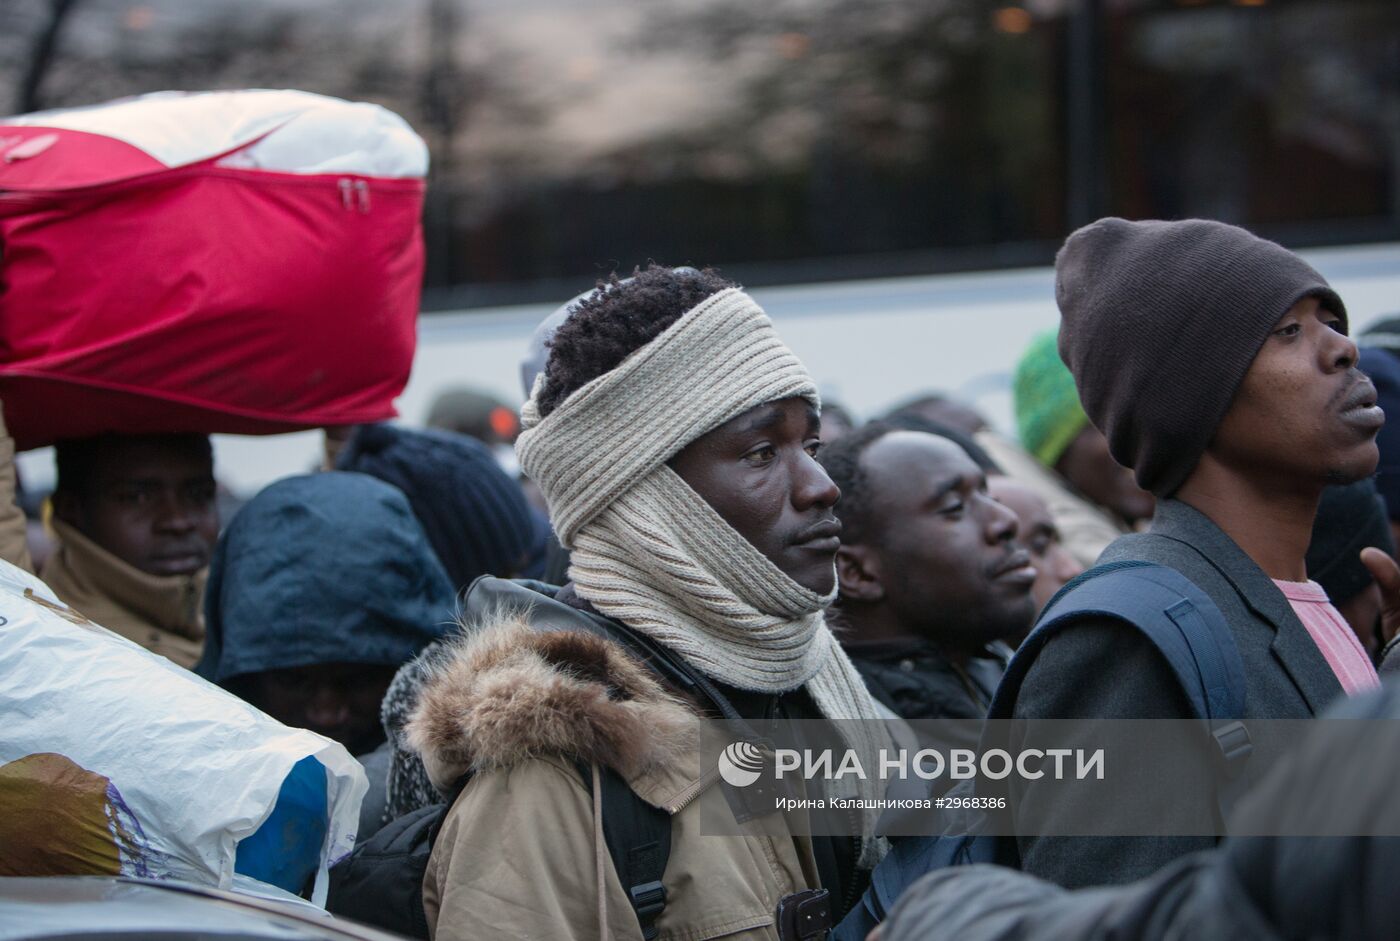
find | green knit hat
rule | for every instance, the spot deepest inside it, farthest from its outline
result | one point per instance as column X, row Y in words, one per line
column 1048, row 413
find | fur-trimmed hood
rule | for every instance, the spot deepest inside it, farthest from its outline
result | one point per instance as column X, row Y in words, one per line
column 536, row 684
column 507, row 692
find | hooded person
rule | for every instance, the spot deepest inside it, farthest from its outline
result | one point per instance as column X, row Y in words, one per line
column 475, row 516
column 674, row 436
column 1217, row 365
column 320, row 589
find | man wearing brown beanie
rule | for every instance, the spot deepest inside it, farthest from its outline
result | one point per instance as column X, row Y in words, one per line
column 1218, row 366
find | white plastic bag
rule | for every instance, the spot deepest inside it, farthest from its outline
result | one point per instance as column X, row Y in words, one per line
column 139, row 764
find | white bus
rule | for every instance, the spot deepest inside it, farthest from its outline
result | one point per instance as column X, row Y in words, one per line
column 869, row 344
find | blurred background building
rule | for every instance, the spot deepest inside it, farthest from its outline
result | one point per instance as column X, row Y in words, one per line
column 794, row 140
column 799, row 142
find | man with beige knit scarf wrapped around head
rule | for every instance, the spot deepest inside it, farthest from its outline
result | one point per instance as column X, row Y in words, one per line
column 674, row 437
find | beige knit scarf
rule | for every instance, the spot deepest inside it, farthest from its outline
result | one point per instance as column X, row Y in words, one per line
column 650, row 552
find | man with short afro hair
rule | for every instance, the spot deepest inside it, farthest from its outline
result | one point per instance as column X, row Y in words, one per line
column 608, row 325
column 673, row 436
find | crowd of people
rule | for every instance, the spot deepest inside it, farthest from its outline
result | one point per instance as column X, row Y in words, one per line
column 513, row 620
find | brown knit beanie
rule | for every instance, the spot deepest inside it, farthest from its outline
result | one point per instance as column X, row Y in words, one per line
column 1160, row 321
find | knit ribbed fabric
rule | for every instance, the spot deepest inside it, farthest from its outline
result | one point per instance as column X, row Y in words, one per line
column 1048, row 414
column 728, row 358
column 1160, row 321
column 474, row 513
column 663, row 561
column 650, row 552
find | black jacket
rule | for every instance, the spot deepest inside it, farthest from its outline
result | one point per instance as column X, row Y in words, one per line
column 917, row 682
column 1102, row 670
column 1258, row 888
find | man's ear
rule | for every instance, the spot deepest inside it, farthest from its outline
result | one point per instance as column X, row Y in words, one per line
column 858, row 574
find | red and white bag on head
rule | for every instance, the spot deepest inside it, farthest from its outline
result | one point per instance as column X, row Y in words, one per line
column 242, row 261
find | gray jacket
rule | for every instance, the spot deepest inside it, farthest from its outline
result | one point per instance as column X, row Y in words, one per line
column 1101, row 670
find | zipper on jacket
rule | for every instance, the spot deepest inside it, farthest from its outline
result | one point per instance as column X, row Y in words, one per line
column 858, row 842
column 190, row 603
column 691, row 792
column 345, row 188
column 362, row 191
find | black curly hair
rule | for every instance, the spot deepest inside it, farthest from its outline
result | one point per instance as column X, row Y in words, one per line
column 78, row 459
column 841, row 461
column 620, row 317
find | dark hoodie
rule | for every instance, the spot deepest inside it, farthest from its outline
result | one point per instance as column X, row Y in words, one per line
column 326, row 568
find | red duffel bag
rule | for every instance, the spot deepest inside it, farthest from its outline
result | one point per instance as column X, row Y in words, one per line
column 245, row 261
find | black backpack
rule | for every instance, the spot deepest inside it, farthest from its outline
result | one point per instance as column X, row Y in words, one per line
column 381, row 882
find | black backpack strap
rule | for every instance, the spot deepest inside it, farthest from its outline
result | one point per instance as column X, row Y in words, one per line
column 549, row 614
column 638, row 835
column 664, row 663
column 639, row 841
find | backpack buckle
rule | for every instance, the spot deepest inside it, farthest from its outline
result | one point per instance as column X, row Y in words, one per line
column 648, row 901
column 805, row 915
column 1234, row 743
